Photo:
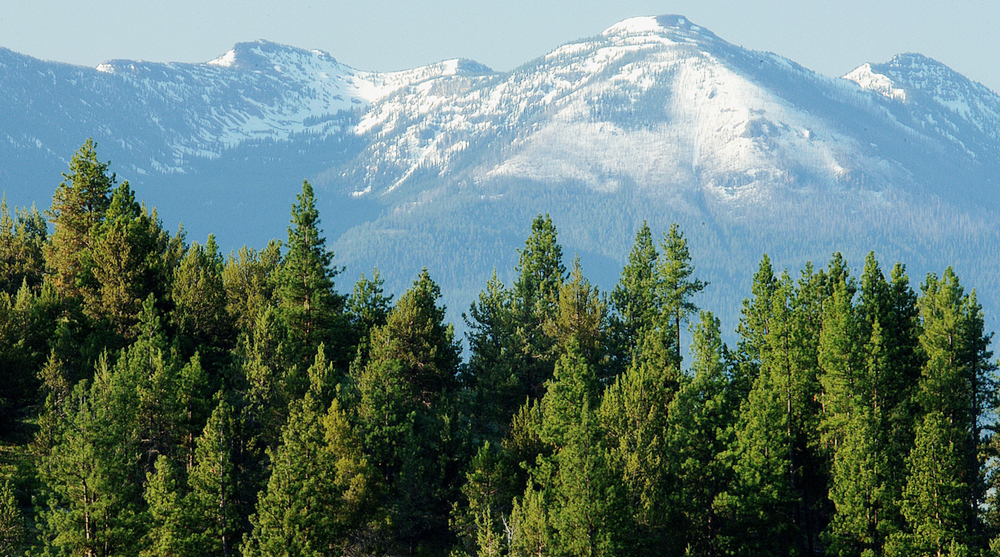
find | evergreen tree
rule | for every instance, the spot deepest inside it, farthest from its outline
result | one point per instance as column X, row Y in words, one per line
column 27, row 323
column 494, row 361
column 765, row 498
column 842, row 378
column 579, row 316
column 859, row 524
column 675, row 286
column 92, row 475
column 941, row 500
column 22, row 242
column 699, row 422
column 584, row 512
column 634, row 414
column 869, row 379
column 634, row 300
column 754, row 326
column 368, row 307
column 249, row 278
column 199, row 315
column 310, row 308
column 13, row 531
column 937, row 497
column 759, row 505
column 403, row 413
column 536, row 300
column 489, row 490
column 78, row 205
column 173, row 530
column 320, row 483
column 124, row 264
column 213, row 483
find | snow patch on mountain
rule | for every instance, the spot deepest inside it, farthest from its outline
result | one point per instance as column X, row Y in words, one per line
column 868, row 79
column 226, row 60
column 640, row 25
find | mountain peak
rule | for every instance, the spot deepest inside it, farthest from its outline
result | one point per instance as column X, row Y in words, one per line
column 671, row 25
column 262, row 54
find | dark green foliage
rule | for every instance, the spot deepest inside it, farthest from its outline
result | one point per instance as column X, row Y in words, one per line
column 248, row 278
column 22, row 243
column 321, row 485
column 494, row 369
column 92, row 475
column 675, row 287
column 78, row 205
column 182, row 405
column 579, row 318
column 583, row 510
column 634, row 413
column 535, row 302
column 634, row 299
column 700, row 419
column 367, row 307
column 309, row 307
column 124, row 264
column 199, row 316
column 403, row 413
column 13, row 530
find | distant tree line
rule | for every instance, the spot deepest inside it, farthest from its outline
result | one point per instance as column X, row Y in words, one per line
column 160, row 399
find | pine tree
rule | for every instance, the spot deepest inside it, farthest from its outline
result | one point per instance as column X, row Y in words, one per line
column 634, row 300
column 249, row 278
column 172, row 529
column 754, row 326
column 260, row 358
column 535, row 301
column 124, row 263
column 78, row 205
column 319, row 487
column 580, row 316
column 941, row 499
column 488, row 491
column 766, row 497
column 310, row 308
column 759, row 505
column 584, row 512
column 199, row 316
column 368, row 307
column 22, row 243
column 403, row 413
column 494, row 361
column 868, row 417
column 416, row 337
column 843, row 381
column 699, row 422
column 213, row 482
column 92, row 474
column 857, row 490
column 937, row 494
column 13, row 531
column 634, row 414
column 675, row 286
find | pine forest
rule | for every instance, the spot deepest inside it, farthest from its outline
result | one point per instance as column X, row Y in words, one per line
column 160, row 398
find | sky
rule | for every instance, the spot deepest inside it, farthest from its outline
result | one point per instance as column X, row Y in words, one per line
column 830, row 37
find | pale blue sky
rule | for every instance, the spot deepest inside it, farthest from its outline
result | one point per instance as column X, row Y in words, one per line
column 828, row 36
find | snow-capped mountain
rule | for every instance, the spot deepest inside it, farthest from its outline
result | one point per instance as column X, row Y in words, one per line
column 654, row 119
column 165, row 117
column 666, row 107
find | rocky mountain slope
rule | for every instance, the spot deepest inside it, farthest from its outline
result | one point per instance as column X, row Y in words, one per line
column 655, row 119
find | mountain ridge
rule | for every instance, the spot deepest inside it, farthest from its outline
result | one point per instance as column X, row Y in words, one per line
column 655, row 118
